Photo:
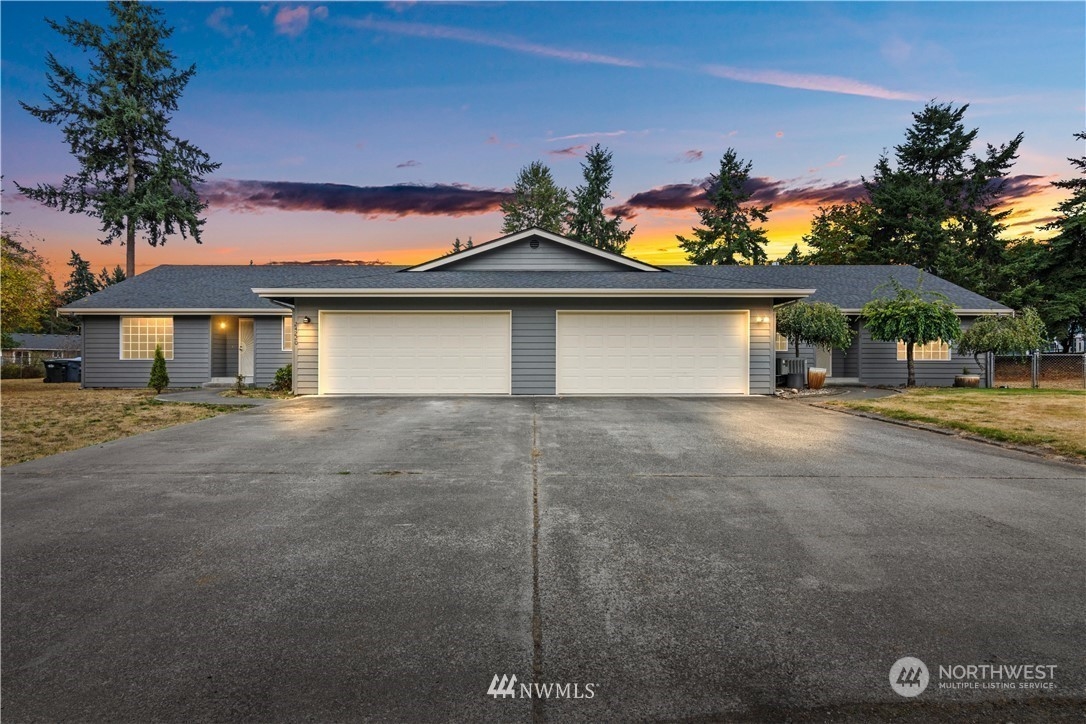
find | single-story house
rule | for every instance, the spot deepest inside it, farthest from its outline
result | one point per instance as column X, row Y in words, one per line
column 33, row 348
column 531, row 313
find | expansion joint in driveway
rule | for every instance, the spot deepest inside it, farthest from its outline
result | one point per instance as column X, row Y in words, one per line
column 537, row 615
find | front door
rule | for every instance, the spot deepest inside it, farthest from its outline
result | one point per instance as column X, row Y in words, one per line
column 246, row 349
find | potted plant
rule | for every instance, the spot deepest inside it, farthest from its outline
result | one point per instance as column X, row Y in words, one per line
column 966, row 379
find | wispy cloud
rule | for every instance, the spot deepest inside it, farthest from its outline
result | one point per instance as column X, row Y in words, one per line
column 597, row 134
column 690, row 156
column 519, row 45
column 370, row 201
column 811, row 82
column 829, row 164
column 292, row 21
column 569, row 150
column 785, row 193
column 219, row 21
column 680, row 197
column 493, row 139
column 409, row 164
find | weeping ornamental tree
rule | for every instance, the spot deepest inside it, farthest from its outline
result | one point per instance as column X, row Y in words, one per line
column 913, row 316
column 818, row 324
column 1018, row 335
column 134, row 174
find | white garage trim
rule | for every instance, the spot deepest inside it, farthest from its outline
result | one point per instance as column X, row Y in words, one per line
column 727, row 353
column 418, row 353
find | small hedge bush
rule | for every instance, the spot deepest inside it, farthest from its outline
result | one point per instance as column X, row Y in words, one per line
column 284, row 380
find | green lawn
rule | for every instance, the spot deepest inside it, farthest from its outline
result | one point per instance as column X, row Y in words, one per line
column 1052, row 419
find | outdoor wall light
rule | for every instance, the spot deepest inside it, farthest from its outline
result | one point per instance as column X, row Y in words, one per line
column 222, row 325
column 762, row 319
column 305, row 320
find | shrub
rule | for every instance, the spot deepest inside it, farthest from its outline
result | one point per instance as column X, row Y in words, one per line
column 284, row 380
column 160, row 380
column 14, row 371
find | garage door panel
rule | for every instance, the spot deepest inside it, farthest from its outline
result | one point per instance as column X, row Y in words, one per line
column 652, row 353
column 414, row 353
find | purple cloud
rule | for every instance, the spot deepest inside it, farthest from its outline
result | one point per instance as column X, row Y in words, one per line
column 569, row 150
column 369, row 201
column 409, row 164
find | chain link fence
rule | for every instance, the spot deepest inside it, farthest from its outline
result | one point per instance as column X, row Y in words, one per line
column 1056, row 371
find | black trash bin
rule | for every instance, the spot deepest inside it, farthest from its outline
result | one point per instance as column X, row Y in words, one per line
column 74, row 371
column 55, row 370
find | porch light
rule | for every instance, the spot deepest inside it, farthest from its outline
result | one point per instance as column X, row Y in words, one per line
column 222, row 325
column 305, row 320
column 761, row 319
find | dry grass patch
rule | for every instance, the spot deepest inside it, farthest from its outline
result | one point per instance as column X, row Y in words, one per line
column 38, row 419
column 1054, row 419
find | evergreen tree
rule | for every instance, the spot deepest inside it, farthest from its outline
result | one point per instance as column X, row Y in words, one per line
column 134, row 173
column 537, row 201
column 160, row 379
column 726, row 236
column 81, row 283
column 589, row 224
column 935, row 207
column 841, row 234
column 793, row 257
column 1064, row 270
column 107, row 278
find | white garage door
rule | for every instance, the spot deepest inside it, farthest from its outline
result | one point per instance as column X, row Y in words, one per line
column 414, row 353
column 652, row 353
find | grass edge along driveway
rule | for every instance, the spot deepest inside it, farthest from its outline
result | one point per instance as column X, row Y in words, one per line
column 1050, row 419
column 39, row 419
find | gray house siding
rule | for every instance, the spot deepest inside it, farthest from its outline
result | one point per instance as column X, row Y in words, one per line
column 103, row 366
column 269, row 349
column 882, row 367
column 533, row 343
column 876, row 363
column 548, row 256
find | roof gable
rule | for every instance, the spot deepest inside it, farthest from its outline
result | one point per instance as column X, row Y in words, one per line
column 534, row 250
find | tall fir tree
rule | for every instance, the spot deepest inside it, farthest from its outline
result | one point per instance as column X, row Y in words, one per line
column 727, row 235
column 108, row 278
column 841, row 234
column 81, row 283
column 134, row 174
column 537, row 201
column 589, row 223
column 935, row 206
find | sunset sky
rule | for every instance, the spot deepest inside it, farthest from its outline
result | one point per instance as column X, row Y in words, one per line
column 384, row 131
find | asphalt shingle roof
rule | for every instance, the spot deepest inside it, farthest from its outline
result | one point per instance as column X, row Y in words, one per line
column 230, row 287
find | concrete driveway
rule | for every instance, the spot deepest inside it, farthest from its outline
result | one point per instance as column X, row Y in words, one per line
column 693, row 559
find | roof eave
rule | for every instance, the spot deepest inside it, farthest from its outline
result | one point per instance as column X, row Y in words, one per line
column 172, row 311
column 521, row 292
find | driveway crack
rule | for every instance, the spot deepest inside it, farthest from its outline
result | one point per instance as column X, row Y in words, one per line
column 537, row 613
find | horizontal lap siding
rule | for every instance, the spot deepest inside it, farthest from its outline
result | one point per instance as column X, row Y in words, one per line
column 880, row 365
column 269, row 349
column 548, row 256
column 533, row 350
column 533, row 358
column 103, row 366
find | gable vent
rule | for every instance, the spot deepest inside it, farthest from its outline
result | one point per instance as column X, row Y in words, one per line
column 534, row 243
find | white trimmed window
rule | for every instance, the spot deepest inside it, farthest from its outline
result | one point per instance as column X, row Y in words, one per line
column 288, row 334
column 930, row 352
column 782, row 343
column 140, row 336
